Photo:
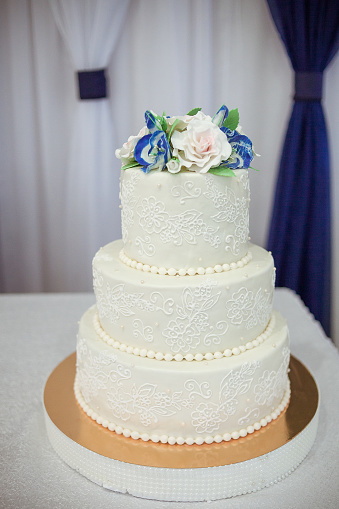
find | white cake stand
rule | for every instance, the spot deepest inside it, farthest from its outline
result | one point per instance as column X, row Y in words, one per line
column 181, row 473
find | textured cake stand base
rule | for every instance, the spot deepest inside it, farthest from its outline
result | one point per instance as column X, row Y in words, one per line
column 181, row 473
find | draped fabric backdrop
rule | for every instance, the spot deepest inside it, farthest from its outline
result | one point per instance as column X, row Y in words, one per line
column 90, row 30
column 300, row 232
column 171, row 55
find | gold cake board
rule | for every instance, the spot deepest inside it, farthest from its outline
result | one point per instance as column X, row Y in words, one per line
column 126, row 465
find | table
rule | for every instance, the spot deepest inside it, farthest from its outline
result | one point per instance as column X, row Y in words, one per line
column 37, row 331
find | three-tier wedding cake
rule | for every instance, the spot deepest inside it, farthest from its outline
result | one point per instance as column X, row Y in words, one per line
column 182, row 346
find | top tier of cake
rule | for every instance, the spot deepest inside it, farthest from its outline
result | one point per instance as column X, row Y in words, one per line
column 184, row 220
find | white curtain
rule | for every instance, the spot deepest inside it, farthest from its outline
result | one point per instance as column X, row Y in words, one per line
column 59, row 200
column 90, row 29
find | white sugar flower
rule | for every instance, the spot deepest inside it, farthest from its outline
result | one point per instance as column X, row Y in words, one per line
column 184, row 120
column 173, row 165
column 126, row 152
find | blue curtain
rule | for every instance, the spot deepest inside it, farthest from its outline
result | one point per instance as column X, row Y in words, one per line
column 300, row 230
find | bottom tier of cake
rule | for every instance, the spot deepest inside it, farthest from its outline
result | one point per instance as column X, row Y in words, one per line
column 181, row 473
column 182, row 402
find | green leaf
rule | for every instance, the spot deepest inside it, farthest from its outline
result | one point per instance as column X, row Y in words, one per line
column 163, row 123
column 222, row 171
column 193, row 112
column 253, row 168
column 160, row 121
column 130, row 165
column 172, row 128
column 232, row 120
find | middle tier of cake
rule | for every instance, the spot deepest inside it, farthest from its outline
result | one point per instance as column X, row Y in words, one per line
column 223, row 313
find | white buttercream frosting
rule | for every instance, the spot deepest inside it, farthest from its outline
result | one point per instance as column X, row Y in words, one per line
column 192, row 315
column 180, row 440
column 184, row 287
column 191, row 271
column 168, row 356
column 190, row 400
column 184, row 220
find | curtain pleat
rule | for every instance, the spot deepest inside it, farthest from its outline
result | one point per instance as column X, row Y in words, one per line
column 90, row 31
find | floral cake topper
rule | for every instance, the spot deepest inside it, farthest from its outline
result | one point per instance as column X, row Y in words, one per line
column 193, row 142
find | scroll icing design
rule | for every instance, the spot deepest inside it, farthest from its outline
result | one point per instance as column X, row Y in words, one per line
column 249, row 308
column 231, row 209
column 140, row 330
column 271, row 384
column 208, row 416
column 177, row 229
column 186, row 192
column 115, row 301
column 129, row 200
column 145, row 245
column 191, row 325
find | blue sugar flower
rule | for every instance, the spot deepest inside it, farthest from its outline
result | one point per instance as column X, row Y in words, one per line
column 153, row 151
column 242, row 152
column 152, row 122
column 220, row 116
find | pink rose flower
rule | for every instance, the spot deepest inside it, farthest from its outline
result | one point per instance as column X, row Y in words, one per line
column 201, row 146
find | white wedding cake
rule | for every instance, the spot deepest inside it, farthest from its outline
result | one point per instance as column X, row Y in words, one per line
column 182, row 346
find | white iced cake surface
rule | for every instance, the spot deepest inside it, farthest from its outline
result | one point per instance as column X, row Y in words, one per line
column 183, row 315
column 182, row 402
column 184, row 220
column 182, row 346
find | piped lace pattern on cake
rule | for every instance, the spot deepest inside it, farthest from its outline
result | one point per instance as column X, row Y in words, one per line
column 128, row 198
column 146, row 333
column 189, row 325
column 271, row 383
column 151, row 216
column 116, row 302
column 148, row 404
column 249, row 308
column 232, row 210
column 176, row 229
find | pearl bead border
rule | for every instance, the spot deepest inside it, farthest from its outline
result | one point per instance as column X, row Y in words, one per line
column 159, row 356
column 134, row 264
column 172, row 440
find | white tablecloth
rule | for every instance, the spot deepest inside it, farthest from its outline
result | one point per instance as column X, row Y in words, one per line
column 39, row 331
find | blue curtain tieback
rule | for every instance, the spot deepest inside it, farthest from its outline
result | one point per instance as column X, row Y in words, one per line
column 308, row 86
column 92, row 84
